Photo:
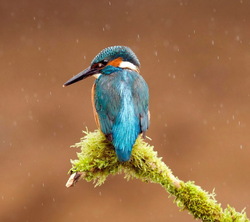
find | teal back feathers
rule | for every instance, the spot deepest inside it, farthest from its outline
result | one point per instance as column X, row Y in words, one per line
column 121, row 101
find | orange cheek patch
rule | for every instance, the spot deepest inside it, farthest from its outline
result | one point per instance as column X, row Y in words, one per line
column 115, row 62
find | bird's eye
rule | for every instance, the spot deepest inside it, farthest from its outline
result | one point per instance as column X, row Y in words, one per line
column 105, row 62
column 100, row 64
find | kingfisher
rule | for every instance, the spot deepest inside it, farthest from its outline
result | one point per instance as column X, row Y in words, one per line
column 120, row 97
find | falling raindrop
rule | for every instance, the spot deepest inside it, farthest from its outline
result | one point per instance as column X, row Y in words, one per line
column 138, row 37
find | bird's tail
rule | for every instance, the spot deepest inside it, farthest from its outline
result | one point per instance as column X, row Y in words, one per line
column 125, row 132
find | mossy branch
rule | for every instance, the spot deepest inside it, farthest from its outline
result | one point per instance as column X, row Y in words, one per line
column 97, row 160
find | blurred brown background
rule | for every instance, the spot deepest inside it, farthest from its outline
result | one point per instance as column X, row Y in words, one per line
column 195, row 56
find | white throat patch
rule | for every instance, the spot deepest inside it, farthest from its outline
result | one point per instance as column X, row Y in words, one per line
column 97, row 75
column 128, row 65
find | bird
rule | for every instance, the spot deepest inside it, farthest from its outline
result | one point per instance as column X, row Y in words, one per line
column 120, row 97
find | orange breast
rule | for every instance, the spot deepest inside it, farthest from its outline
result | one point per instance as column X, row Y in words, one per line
column 93, row 105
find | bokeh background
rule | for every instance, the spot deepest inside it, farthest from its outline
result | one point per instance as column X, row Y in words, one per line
column 195, row 56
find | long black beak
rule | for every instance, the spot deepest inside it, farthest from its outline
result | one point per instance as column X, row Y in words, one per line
column 82, row 75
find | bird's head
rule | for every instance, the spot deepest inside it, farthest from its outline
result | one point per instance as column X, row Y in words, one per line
column 108, row 61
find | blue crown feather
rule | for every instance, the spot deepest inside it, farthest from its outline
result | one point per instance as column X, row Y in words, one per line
column 114, row 52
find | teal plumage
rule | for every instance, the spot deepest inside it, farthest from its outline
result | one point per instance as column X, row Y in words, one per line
column 120, row 97
column 122, row 107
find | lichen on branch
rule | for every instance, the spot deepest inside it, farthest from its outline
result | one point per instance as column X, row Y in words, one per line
column 97, row 160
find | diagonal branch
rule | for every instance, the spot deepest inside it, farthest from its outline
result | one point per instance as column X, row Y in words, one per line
column 97, row 160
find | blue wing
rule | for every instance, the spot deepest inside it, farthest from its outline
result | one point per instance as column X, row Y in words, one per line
column 141, row 99
column 121, row 102
column 107, row 102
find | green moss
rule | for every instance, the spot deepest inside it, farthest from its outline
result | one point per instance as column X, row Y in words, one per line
column 97, row 160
